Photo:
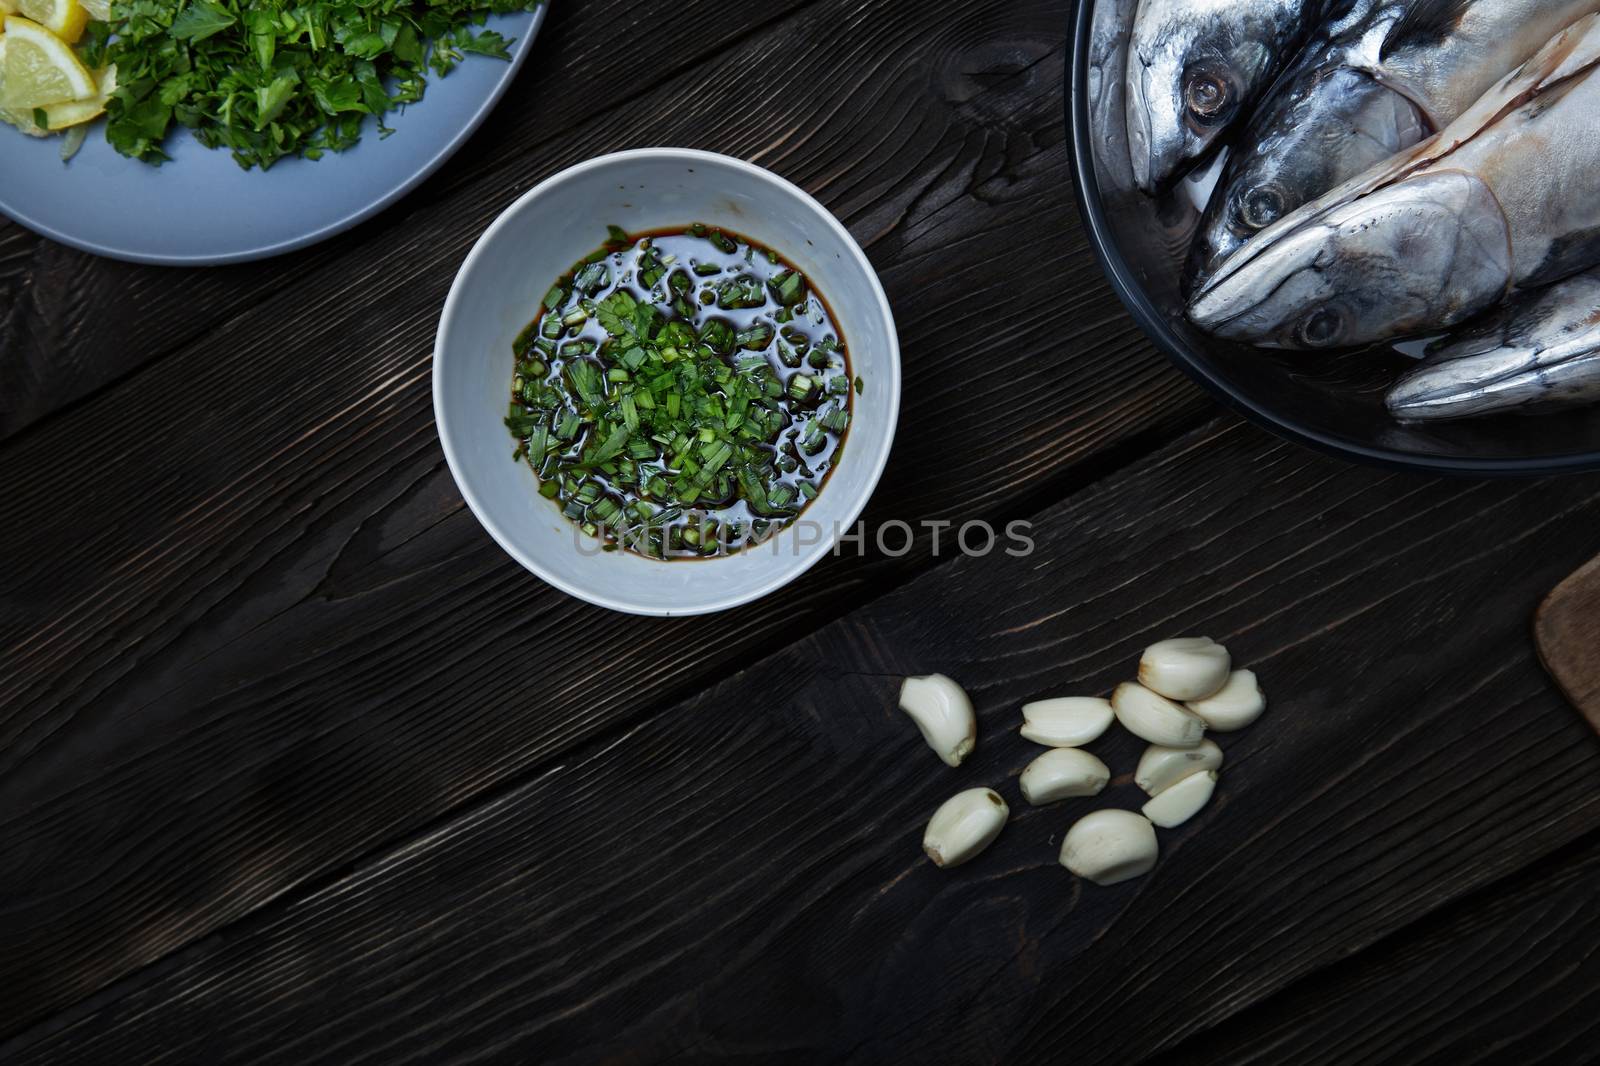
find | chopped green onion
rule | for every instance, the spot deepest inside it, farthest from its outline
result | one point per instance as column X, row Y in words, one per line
column 740, row 293
column 520, row 422
column 647, row 417
column 788, row 287
column 585, row 380
column 592, row 278
column 652, row 268
column 717, row 335
column 538, row 441
column 614, row 443
column 757, row 337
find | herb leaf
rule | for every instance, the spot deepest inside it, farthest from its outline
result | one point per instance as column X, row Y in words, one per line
column 616, row 314
column 265, row 79
column 201, row 19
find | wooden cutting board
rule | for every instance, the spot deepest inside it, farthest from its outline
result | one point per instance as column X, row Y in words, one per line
column 1567, row 631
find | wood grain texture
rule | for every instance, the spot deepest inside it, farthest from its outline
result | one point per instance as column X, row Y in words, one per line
column 70, row 323
column 1567, row 629
column 258, row 636
column 738, row 877
column 1511, row 974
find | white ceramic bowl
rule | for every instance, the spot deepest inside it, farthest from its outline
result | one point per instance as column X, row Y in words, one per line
column 498, row 291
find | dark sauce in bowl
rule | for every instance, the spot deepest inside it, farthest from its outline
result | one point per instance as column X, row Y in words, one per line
column 681, row 393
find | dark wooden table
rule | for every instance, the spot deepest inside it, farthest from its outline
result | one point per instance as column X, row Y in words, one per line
column 297, row 766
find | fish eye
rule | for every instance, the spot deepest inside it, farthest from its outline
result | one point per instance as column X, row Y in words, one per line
column 1261, row 206
column 1207, row 96
column 1322, row 328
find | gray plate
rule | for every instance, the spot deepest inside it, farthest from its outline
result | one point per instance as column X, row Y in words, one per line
column 201, row 209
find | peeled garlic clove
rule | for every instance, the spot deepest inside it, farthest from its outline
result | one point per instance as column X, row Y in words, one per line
column 943, row 712
column 1110, row 846
column 1062, row 773
column 1182, row 801
column 1161, row 767
column 1066, row 723
column 1185, row 668
column 1155, row 718
column 1238, row 704
column 964, row 825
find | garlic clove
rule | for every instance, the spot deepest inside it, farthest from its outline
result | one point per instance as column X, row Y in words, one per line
column 1156, row 718
column 1062, row 773
column 1161, row 767
column 1176, row 805
column 964, row 825
column 1238, row 704
column 1185, row 668
column 1110, row 846
column 1069, row 722
column 943, row 713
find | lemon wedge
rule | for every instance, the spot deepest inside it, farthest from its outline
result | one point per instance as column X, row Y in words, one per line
column 64, row 18
column 8, row 7
column 58, row 117
column 23, row 120
column 40, row 68
column 99, row 10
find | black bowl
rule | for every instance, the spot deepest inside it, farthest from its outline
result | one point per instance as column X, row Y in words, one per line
column 1330, row 402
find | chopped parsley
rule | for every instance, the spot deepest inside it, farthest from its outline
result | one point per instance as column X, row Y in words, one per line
column 265, row 79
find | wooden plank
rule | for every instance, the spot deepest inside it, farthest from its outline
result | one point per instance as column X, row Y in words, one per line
column 1508, row 975
column 263, row 602
column 72, row 323
column 1567, row 630
column 740, row 876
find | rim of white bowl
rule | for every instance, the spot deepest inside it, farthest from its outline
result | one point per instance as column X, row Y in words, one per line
column 780, row 578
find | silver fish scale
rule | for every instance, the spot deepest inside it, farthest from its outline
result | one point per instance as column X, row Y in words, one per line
column 1538, row 353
